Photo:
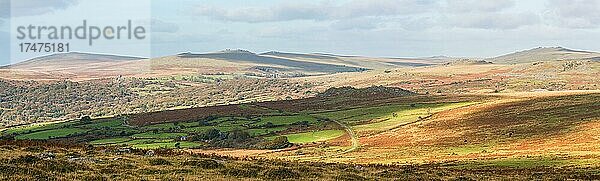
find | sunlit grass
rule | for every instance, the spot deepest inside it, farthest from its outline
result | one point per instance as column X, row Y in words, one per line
column 315, row 136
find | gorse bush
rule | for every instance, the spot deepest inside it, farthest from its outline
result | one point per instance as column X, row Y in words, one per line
column 26, row 159
column 281, row 173
column 159, row 161
column 204, row 163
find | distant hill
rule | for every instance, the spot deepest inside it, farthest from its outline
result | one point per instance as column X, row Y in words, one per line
column 360, row 61
column 545, row 54
column 230, row 61
column 282, row 63
column 467, row 62
column 73, row 65
column 271, row 64
column 299, row 55
column 71, row 58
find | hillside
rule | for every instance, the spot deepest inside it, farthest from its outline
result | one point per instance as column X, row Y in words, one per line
column 360, row 61
column 545, row 54
column 240, row 62
column 70, row 59
column 275, row 63
column 72, row 65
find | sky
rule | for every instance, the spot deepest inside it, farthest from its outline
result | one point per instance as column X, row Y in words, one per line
column 380, row 28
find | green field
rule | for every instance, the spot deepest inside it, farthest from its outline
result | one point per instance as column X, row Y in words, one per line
column 37, row 127
column 114, row 132
column 362, row 114
column 299, row 128
column 109, row 141
column 265, row 131
column 49, row 134
column 103, row 124
column 315, row 136
column 150, row 135
column 285, row 120
column 167, row 145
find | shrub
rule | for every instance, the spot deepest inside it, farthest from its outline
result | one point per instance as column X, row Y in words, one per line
column 208, row 135
column 159, row 161
column 26, row 159
column 248, row 173
column 34, row 149
column 205, row 164
column 86, row 119
column 281, row 173
column 277, row 143
column 61, row 166
column 349, row 176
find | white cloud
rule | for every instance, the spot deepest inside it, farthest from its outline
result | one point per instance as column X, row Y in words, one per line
column 4, row 8
column 316, row 11
column 363, row 8
column 492, row 20
column 281, row 12
column 364, row 23
column 478, row 5
column 164, row 27
column 176, row 38
column 37, row 7
column 362, row 14
column 488, row 14
column 574, row 13
column 4, row 48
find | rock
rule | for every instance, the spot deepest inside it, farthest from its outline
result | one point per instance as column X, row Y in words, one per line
column 150, row 153
column 47, row 155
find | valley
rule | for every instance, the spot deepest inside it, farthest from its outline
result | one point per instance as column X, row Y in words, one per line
column 275, row 115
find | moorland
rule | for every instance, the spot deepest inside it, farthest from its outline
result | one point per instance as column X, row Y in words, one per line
column 532, row 114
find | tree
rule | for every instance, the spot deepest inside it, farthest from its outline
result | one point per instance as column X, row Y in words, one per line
column 238, row 135
column 86, row 119
column 278, row 143
column 209, row 134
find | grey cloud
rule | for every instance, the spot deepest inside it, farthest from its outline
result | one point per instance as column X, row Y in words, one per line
column 4, row 8
column 363, row 23
column 4, row 48
column 243, row 14
column 488, row 14
column 574, row 13
column 316, row 11
column 178, row 38
column 493, row 20
column 36, row 7
column 418, row 23
column 383, row 8
column 164, row 27
column 463, row 6
column 413, row 15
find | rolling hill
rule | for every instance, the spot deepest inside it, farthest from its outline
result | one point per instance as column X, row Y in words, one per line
column 545, row 54
column 270, row 64
column 280, row 63
column 360, row 61
column 71, row 59
column 71, row 65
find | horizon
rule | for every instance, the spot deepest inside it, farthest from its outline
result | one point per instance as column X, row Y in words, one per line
column 382, row 28
column 307, row 53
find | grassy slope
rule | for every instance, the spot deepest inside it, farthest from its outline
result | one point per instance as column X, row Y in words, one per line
column 557, row 127
column 315, row 136
column 24, row 163
column 55, row 133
